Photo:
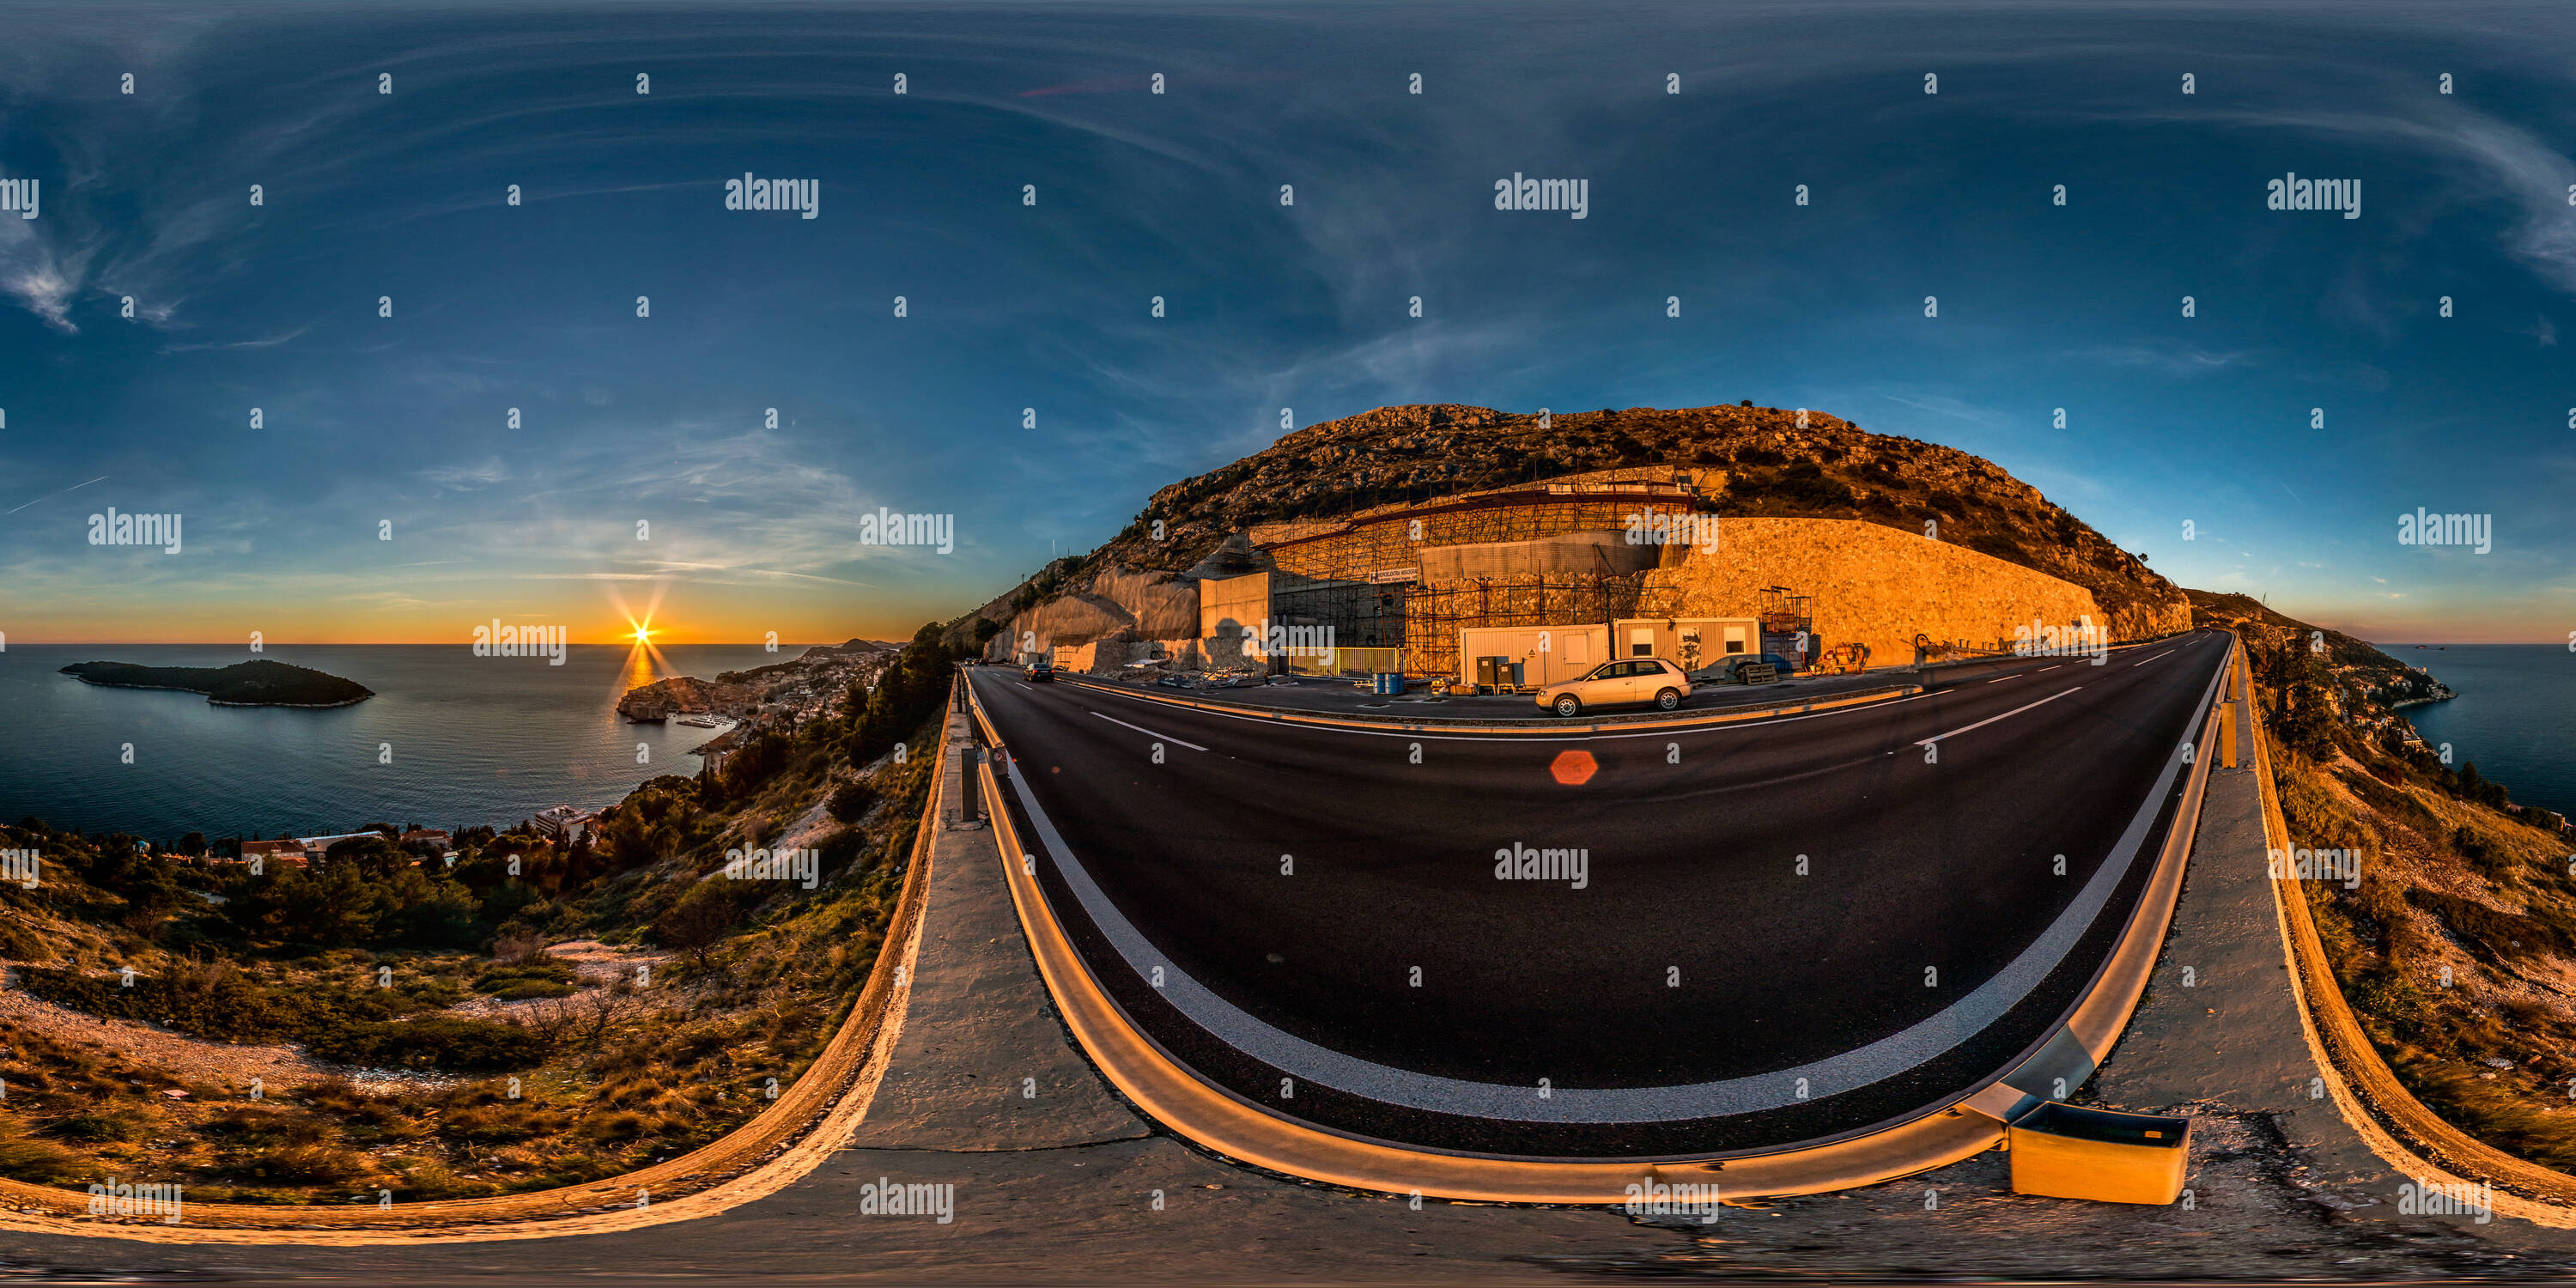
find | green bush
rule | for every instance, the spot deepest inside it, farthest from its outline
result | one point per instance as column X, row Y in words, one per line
column 445, row 1042
column 850, row 801
column 41, row 1162
column 101, row 1128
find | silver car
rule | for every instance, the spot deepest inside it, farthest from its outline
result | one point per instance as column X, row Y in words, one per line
column 1628, row 680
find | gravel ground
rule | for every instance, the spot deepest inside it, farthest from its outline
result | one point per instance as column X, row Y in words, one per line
column 2260, row 1211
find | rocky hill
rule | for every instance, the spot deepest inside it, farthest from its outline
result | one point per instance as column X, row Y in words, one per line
column 1829, row 468
column 2372, row 682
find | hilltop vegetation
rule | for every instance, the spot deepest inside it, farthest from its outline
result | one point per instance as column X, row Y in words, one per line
column 258, row 683
column 1774, row 467
column 436, row 1046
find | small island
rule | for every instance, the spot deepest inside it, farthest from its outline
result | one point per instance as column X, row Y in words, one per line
column 243, row 684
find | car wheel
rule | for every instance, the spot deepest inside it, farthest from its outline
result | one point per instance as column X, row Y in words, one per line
column 1567, row 705
column 1668, row 699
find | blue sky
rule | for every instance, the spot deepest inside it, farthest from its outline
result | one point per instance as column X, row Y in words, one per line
column 1011, row 306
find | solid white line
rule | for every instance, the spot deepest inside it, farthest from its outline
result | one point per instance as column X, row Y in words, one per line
column 1143, row 730
column 1426, row 736
column 1991, row 719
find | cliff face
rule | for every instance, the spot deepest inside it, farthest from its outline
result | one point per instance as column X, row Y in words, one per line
column 1828, row 468
column 1874, row 586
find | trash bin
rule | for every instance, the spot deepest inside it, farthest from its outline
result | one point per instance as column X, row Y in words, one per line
column 2062, row 1151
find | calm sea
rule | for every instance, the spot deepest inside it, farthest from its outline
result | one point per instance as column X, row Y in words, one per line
column 475, row 740
column 2515, row 716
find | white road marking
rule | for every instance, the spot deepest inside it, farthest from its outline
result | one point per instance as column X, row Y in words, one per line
column 1926, row 742
column 2046, row 669
column 1426, row 736
column 1143, row 730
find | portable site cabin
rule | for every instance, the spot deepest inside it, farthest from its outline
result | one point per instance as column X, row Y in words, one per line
column 1546, row 654
column 1687, row 642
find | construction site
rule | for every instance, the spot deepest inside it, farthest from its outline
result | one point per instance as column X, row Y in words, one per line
column 1553, row 576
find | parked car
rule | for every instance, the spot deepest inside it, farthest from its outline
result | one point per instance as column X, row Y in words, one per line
column 1636, row 679
column 1040, row 671
column 1723, row 671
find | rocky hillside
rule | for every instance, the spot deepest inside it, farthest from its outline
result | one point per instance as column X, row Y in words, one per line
column 1828, row 469
column 2368, row 683
column 2451, row 928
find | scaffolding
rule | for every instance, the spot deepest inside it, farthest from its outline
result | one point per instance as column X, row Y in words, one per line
column 1435, row 614
column 1382, row 545
column 1361, row 574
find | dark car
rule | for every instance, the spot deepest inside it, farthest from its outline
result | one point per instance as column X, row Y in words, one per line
column 1040, row 671
column 1724, row 670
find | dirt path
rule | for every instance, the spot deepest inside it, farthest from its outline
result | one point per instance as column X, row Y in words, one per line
column 156, row 1055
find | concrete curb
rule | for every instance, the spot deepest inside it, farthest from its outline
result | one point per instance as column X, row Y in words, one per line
column 1215, row 1119
column 2402, row 1130
column 776, row 1148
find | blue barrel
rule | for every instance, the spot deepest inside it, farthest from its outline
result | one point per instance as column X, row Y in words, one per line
column 1388, row 682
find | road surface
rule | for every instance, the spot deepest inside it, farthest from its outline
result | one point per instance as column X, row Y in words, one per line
column 1776, row 931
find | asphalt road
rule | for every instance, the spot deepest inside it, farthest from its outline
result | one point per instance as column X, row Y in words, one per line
column 1782, row 930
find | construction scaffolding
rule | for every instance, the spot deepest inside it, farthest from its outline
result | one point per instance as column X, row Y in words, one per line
column 1435, row 614
column 1382, row 545
column 1363, row 574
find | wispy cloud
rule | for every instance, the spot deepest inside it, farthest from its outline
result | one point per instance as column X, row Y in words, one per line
column 2173, row 358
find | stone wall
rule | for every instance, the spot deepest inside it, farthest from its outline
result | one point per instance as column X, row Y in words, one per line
column 1873, row 585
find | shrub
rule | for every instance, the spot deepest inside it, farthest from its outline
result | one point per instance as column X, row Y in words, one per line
column 42, row 1162
column 306, row 1164
column 265, row 1127
column 432, row 1042
column 850, row 801
column 519, row 946
column 100, row 1128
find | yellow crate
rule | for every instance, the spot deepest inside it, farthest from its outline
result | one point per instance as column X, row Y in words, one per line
column 2062, row 1151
